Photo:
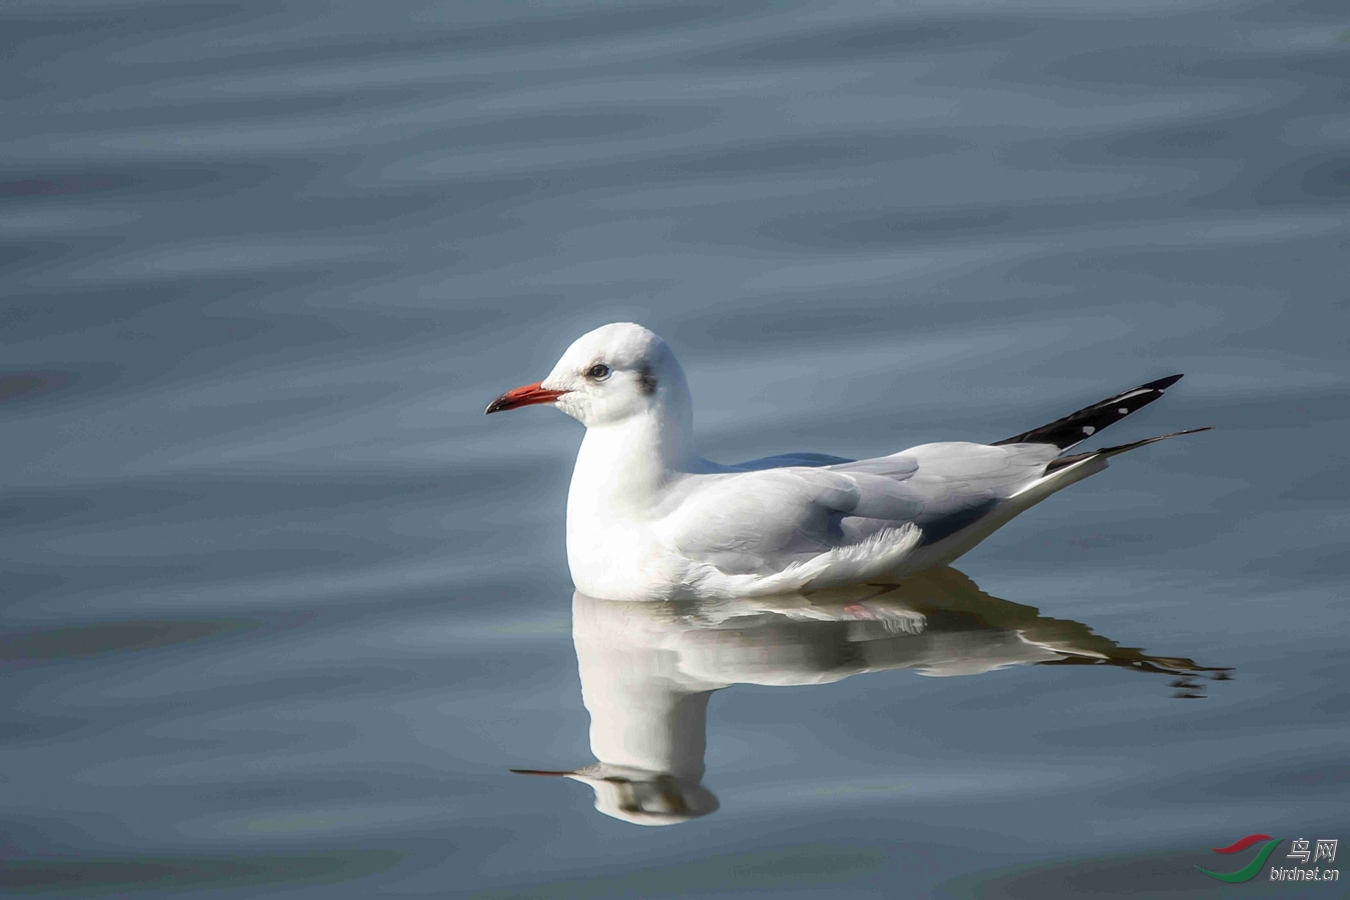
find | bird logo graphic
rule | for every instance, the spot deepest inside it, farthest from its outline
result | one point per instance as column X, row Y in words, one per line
column 1247, row 872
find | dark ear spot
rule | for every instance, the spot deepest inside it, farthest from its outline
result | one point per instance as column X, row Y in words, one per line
column 647, row 382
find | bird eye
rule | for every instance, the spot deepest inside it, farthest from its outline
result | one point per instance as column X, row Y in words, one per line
column 599, row 372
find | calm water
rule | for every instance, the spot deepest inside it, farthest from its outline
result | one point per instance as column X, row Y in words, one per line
column 282, row 608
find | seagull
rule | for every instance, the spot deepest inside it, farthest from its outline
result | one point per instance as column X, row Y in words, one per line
column 648, row 518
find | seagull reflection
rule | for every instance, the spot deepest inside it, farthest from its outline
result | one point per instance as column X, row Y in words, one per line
column 648, row 669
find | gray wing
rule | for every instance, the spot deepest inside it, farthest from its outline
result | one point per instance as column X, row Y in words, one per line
column 960, row 483
column 758, row 521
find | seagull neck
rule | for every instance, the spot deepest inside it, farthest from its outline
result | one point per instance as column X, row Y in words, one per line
column 658, row 730
column 645, row 714
column 635, row 458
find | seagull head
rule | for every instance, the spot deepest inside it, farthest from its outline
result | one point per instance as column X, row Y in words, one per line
column 608, row 376
column 639, row 796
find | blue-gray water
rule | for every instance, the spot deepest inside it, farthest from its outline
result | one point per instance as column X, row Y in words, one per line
column 281, row 607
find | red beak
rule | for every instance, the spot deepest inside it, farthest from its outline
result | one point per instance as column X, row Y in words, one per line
column 528, row 395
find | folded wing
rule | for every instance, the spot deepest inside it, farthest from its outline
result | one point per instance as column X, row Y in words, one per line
column 758, row 522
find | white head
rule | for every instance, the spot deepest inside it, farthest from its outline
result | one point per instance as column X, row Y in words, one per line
column 608, row 376
column 640, row 796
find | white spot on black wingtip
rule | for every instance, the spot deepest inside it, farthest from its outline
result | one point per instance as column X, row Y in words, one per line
column 1089, row 430
column 1123, row 410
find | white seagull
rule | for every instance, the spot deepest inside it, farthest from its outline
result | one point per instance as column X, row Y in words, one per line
column 648, row 518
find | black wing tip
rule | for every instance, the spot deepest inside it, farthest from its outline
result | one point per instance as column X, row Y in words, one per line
column 1163, row 384
column 1121, row 448
column 1081, row 424
column 1063, row 461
